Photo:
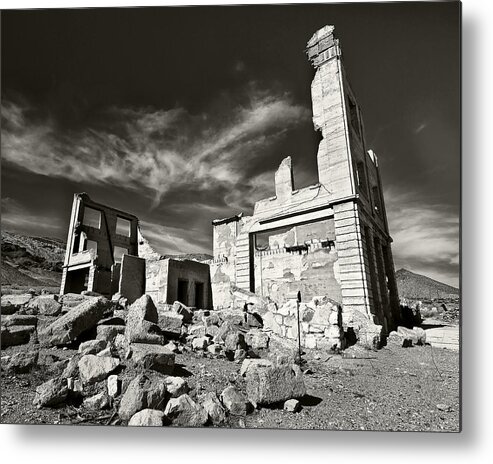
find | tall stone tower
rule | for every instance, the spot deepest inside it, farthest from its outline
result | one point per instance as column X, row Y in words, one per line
column 328, row 239
column 350, row 173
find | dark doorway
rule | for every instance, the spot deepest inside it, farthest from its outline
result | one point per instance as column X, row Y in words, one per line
column 199, row 295
column 183, row 291
column 77, row 280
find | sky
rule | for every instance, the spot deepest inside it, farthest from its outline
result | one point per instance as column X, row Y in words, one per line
column 181, row 115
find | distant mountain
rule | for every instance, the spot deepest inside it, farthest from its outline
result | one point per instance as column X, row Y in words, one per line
column 191, row 256
column 31, row 261
column 417, row 286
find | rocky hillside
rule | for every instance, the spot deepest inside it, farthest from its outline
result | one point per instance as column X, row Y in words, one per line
column 31, row 261
column 417, row 286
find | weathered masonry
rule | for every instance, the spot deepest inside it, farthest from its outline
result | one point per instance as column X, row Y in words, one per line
column 107, row 253
column 329, row 239
column 102, row 251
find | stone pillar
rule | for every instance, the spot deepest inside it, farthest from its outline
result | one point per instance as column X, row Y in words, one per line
column 353, row 272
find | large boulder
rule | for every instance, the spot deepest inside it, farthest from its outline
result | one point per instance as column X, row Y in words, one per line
column 275, row 383
column 51, row 393
column 252, row 363
column 200, row 343
column 22, row 362
column 147, row 418
column 16, row 335
column 142, row 320
column 19, row 319
column 257, row 339
column 98, row 401
column 147, row 390
column 170, row 322
column 83, row 317
column 407, row 337
column 176, row 386
column 155, row 357
column 235, row 401
column 226, row 328
column 109, row 333
column 72, row 300
column 47, row 305
column 16, row 300
column 210, row 402
column 234, row 340
column 185, row 412
column 94, row 368
column 185, row 311
column 92, row 346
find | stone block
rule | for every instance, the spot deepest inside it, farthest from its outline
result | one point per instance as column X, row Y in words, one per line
column 152, row 356
column 132, row 278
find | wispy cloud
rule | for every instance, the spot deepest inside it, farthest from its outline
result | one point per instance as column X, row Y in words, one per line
column 426, row 236
column 175, row 240
column 152, row 150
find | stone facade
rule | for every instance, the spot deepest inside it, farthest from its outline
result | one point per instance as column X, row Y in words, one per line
column 98, row 238
column 107, row 253
column 329, row 239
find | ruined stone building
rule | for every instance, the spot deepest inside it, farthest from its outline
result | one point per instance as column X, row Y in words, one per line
column 330, row 238
column 106, row 253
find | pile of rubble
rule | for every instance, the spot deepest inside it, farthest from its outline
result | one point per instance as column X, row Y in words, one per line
column 125, row 360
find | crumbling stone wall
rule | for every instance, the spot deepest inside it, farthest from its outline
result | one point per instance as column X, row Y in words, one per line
column 320, row 323
column 96, row 243
column 358, row 271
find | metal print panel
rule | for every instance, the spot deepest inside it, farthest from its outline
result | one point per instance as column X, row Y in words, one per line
column 235, row 216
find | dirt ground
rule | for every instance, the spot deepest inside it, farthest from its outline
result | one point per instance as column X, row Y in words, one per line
column 407, row 389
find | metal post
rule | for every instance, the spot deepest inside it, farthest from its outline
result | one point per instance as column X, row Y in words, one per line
column 298, row 300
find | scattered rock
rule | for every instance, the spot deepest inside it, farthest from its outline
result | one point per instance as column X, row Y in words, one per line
column 147, row 418
column 51, row 393
column 19, row 319
column 47, row 305
column 275, row 383
column 98, row 401
column 147, row 390
column 16, row 335
column 109, row 332
column 234, row 340
column 185, row 412
column 176, row 386
column 215, row 348
column 170, row 322
column 154, row 357
column 235, row 401
column 443, row 407
column 113, row 385
column 16, row 300
column 113, row 320
column 183, row 310
column 197, row 330
column 94, row 368
column 292, row 405
column 200, row 343
column 142, row 322
column 257, row 339
column 72, row 300
column 171, row 346
column 210, row 402
column 92, row 346
column 225, row 329
column 81, row 318
column 22, row 362
column 248, row 363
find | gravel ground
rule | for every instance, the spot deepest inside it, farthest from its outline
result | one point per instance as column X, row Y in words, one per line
column 408, row 389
